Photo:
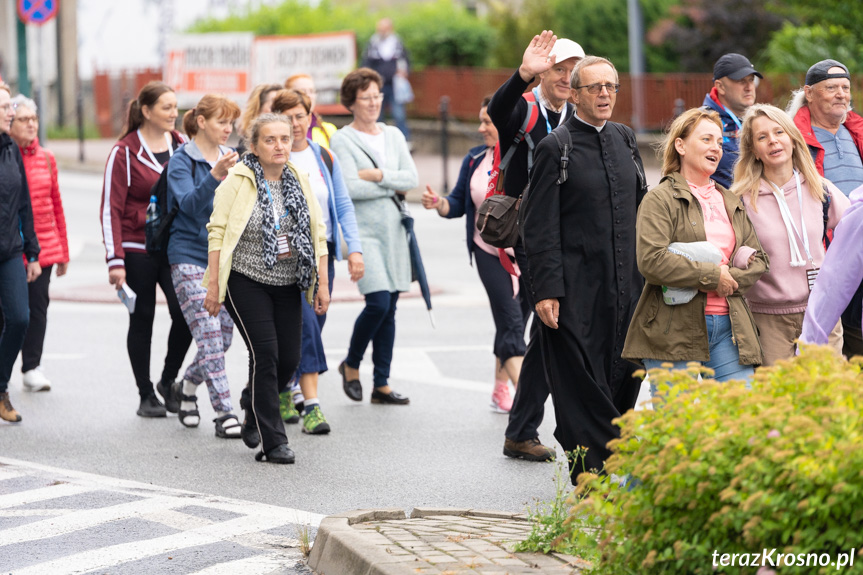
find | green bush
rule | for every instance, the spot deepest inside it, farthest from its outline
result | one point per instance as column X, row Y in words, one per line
column 793, row 49
column 721, row 468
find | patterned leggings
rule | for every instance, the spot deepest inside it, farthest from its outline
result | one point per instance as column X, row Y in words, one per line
column 212, row 334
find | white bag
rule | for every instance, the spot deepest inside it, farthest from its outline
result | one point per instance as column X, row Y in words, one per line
column 402, row 91
column 694, row 251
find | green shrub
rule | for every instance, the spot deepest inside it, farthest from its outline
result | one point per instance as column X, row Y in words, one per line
column 721, row 468
column 443, row 33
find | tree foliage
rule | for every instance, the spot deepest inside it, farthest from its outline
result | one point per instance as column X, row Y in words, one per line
column 703, row 30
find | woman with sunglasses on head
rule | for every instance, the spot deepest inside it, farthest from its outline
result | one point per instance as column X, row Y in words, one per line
column 267, row 250
column 134, row 166
column 325, row 177
column 49, row 222
column 319, row 131
column 784, row 196
column 377, row 166
column 17, row 238
column 193, row 175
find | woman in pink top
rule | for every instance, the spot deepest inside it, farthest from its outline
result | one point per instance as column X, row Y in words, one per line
column 784, row 197
column 508, row 309
column 715, row 328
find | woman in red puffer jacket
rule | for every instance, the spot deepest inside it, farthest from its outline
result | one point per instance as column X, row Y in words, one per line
column 50, row 225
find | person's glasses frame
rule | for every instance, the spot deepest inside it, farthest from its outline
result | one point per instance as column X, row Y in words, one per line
column 368, row 99
column 597, row 88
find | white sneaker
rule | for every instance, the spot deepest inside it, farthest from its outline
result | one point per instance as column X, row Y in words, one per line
column 35, row 380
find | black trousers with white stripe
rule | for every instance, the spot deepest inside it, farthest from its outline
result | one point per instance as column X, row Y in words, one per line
column 270, row 320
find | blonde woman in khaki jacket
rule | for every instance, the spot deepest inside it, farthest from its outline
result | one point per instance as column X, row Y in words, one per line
column 716, row 326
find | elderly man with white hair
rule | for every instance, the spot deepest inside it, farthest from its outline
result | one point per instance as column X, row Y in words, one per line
column 834, row 134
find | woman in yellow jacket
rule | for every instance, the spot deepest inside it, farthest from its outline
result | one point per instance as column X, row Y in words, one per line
column 267, row 246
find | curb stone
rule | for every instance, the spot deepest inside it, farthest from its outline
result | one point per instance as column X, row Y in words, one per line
column 431, row 541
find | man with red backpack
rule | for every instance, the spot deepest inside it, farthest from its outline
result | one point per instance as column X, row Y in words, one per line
column 522, row 120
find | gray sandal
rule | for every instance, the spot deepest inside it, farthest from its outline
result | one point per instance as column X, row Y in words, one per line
column 225, row 424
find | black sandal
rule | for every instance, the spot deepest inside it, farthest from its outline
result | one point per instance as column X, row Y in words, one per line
column 224, row 431
column 178, row 392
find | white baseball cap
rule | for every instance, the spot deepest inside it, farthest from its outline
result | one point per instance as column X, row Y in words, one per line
column 565, row 49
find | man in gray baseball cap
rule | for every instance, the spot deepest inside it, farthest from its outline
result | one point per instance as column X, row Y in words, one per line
column 834, row 134
column 733, row 92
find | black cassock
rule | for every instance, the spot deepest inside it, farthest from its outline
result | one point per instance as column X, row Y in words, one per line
column 580, row 244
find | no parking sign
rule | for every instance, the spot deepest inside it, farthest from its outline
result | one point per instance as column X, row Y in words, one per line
column 37, row 11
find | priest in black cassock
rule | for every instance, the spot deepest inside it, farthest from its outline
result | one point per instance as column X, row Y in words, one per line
column 579, row 238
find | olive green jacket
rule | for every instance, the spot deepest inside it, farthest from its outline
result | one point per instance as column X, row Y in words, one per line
column 670, row 213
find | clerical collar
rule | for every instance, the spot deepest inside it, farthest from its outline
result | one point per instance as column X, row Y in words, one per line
column 543, row 101
column 597, row 128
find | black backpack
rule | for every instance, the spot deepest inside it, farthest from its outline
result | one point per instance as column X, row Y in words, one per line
column 157, row 231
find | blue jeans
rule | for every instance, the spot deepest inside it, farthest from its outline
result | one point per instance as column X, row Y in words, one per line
column 375, row 324
column 724, row 356
column 397, row 110
column 313, row 359
column 15, row 303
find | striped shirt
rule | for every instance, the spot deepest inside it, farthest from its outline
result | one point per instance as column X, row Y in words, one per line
column 842, row 163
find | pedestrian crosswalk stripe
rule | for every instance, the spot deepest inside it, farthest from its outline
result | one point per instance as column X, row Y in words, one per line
column 169, row 524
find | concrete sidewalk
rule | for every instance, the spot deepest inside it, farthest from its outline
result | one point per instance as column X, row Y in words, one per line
column 431, row 542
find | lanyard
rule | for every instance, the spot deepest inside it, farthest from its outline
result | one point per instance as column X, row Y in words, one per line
column 733, row 117
column 796, row 259
column 273, row 204
column 542, row 110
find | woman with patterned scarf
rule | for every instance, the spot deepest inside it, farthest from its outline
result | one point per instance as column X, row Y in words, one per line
column 267, row 248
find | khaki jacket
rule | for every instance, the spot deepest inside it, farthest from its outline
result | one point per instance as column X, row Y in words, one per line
column 232, row 207
column 670, row 213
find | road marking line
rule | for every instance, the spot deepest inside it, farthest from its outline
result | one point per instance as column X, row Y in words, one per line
column 41, row 494
column 258, row 565
column 113, row 555
column 76, row 520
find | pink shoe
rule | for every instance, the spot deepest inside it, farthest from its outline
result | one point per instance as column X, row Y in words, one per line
column 501, row 402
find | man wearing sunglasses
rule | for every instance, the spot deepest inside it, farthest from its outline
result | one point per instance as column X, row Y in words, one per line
column 578, row 228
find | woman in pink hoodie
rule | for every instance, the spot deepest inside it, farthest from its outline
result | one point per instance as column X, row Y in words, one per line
column 787, row 201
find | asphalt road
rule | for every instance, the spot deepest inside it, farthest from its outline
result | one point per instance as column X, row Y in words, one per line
column 444, row 449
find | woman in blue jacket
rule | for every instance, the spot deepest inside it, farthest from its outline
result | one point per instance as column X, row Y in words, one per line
column 510, row 311
column 325, row 175
column 194, row 172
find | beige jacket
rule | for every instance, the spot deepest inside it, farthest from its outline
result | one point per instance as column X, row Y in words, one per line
column 232, row 207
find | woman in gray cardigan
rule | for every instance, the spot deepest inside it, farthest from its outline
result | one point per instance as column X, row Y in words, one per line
column 377, row 166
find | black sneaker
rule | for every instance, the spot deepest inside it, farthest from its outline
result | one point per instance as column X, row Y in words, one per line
column 151, row 407
column 279, row 454
column 165, row 389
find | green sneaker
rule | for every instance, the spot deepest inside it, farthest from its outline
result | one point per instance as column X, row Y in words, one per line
column 315, row 423
column 287, row 410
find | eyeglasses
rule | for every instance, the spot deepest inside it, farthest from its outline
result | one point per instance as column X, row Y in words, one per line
column 27, row 119
column 597, row 88
column 297, row 117
column 8, row 106
column 368, row 99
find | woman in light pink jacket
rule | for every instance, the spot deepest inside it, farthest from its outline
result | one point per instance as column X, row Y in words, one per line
column 787, row 200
